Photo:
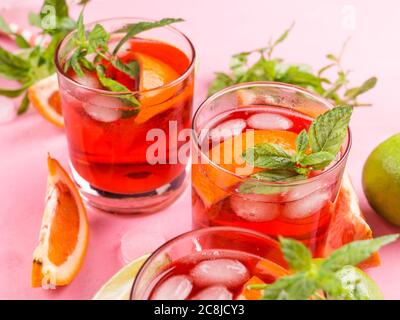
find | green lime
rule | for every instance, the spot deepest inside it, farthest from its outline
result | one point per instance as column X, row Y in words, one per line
column 381, row 179
column 358, row 285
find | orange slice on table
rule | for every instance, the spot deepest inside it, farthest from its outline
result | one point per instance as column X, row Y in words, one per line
column 64, row 232
column 210, row 182
column 154, row 73
column 45, row 97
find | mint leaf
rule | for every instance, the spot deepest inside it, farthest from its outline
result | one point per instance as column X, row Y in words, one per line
column 131, row 68
column 13, row 67
column 317, row 160
column 293, row 287
column 4, row 27
column 328, row 131
column 98, row 38
column 115, row 86
column 23, row 106
column 13, row 93
column 136, row 28
column 302, row 141
column 296, row 254
column 221, row 81
column 367, row 85
column 268, row 155
column 277, row 175
column 355, row 252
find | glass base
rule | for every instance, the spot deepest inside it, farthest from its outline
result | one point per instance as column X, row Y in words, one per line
column 148, row 202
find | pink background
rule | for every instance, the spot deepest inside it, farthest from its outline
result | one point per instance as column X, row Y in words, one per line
column 218, row 29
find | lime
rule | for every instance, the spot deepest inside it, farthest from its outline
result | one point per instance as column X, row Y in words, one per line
column 381, row 179
column 358, row 285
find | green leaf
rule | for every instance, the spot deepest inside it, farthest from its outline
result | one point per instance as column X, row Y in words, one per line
column 136, row 28
column 355, row 252
column 98, row 38
column 328, row 131
column 21, row 42
column 284, row 35
column 293, row 287
column 13, row 93
column 131, row 68
column 4, row 27
column 115, row 86
column 23, row 107
column 262, row 70
column 319, row 159
column 277, row 175
column 238, row 63
column 296, row 254
column 367, row 85
column 34, row 19
column 302, row 141
column 269, row 156
column 221, row 81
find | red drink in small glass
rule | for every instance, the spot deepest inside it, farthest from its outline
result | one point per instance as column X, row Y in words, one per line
column 109, row 140
column 210, row 264
column 225, row 194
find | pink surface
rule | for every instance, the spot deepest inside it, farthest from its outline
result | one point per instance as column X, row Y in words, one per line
column 218, row 29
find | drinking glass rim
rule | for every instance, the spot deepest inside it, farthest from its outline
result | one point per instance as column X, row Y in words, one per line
column 195, row 233
column 269, row 84
column 182, row 77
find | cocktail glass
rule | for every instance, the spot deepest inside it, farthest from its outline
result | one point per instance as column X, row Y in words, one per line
column 214, row 263
column 110, row 142
column 225, row 194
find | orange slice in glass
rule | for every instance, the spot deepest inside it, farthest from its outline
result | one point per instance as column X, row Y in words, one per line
column 64, row 232
column 45, row 97
column 154, row 74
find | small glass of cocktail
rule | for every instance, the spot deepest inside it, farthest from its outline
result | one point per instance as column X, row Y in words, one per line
column 264, row 158
column 114, row 100
column 217, row 263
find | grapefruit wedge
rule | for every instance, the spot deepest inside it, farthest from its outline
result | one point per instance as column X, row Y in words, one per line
column 348, row 223
column 45, row 97
column 64, row 233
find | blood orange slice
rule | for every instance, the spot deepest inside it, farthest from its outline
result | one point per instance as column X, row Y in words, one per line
column 348, row 223
column 64, row 232
column 45, row 97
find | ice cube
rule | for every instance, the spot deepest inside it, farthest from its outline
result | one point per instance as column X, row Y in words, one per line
column 254, row 210
column 269, row 121
column 89, row 80
column 214, row 293
column 307, row 206
column 227, row 129
column 228, row 272
column 174, row 288
column 103, row 108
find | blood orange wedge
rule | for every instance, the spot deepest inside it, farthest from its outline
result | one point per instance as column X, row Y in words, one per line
column 348, row 223
column 64, row 232
column 154, row 74
column 211, row 182
column 45, row 97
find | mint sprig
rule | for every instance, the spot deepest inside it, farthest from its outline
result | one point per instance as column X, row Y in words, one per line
column 269, row 68
column 311, row 277
column 34, row 62
column 95, row 42
column 315, row 150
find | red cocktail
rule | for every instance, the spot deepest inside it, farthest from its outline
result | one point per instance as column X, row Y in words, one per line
column 210, row 264
column 109, row 140
column 227, row 191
